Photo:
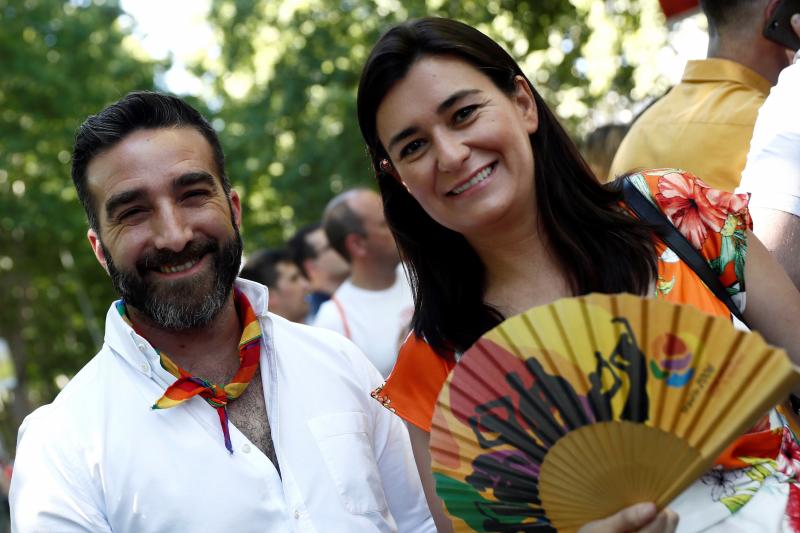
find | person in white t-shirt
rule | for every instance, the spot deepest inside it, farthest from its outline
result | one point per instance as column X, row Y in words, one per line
column 772, row 172
column 373, row 307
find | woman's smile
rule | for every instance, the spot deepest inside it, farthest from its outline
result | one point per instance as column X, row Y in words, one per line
column 479, row 177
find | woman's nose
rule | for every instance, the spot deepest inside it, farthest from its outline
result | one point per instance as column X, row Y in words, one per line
column 451, row 152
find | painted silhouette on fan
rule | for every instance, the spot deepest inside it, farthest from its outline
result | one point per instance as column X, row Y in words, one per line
column 534, row 414
column 625, row 363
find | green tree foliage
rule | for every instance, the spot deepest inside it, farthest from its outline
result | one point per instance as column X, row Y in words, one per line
column 288, row 72
column 61, row 62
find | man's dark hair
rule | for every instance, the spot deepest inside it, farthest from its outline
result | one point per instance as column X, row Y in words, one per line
column 723, row 14
column 339, row 221
column 262, row 266
column 136, row 111
column 300, row 249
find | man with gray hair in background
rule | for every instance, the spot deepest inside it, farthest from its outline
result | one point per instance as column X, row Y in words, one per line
column 373, row 307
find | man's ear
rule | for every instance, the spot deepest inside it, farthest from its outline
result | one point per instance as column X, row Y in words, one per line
column 355, row 245
column 308, row 266
column 769, row 10
column 97, row 248
column 236, row 207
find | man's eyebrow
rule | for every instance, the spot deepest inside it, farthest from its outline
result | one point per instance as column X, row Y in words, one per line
column 195, row 178
column 118, row 200
column 441, row 108
column 183, row 181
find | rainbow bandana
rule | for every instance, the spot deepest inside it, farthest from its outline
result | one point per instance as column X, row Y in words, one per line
column 188, row 386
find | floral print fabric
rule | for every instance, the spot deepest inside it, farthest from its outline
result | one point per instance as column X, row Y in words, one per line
column 713, row 221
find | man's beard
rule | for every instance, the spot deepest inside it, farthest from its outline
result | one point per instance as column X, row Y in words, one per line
column 186, row 303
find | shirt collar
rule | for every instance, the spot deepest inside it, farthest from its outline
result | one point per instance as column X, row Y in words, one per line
column 138, row 352
column 716, row 69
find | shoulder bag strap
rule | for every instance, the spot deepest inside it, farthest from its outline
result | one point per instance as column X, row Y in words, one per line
column 649, row 213
column 343, row 316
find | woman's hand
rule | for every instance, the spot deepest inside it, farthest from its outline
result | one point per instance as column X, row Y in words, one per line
column 642, row 517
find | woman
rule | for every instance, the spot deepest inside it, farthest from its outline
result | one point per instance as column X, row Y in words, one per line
column 494, row 211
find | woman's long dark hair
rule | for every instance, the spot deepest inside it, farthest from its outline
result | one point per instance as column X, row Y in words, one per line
column 600, row 248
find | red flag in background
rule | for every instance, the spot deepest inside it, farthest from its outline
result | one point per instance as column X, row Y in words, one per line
column 674, row 8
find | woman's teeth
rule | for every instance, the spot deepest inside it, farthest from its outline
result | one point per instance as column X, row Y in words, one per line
column 479, row 177
column 178, row 268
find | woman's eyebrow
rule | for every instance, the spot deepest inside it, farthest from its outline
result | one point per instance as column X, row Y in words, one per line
column 400, row 136
column 449, row 102
column 452, row 99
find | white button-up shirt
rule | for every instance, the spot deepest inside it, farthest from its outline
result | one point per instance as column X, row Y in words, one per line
column 100, row 459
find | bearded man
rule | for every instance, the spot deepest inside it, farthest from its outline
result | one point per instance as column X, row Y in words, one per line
column 202, row 411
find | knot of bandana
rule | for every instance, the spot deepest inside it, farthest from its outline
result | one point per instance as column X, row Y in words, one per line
column 188, row 386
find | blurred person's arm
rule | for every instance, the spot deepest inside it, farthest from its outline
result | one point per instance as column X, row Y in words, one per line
column 780, row 233
column 772, row 173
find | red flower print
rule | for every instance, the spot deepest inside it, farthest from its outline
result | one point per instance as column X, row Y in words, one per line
column 789, row 458
column 693, row 207
column 793, row 508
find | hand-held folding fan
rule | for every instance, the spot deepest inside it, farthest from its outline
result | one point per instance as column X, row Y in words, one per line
column 569, row 412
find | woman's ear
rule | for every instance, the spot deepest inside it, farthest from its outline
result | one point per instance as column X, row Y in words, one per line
column 526, row 104
column 387, row 167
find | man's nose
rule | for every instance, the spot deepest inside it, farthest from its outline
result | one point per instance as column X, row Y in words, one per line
column 172, row 231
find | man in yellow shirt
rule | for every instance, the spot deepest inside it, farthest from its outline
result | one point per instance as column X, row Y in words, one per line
column 705, row 122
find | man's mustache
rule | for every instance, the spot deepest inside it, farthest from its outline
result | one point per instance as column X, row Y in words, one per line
column 159, row 258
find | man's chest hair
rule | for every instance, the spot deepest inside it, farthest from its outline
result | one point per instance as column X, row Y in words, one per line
column 248, row 413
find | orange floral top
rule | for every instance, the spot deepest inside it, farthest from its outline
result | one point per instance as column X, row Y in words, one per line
column 713, row 221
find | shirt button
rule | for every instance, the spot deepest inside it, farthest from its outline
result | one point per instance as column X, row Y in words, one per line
column 145, row 367
column 142, row 347
column 246, row 448
column 297, row 515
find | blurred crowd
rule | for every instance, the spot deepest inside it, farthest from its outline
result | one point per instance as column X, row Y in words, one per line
column 343, row 274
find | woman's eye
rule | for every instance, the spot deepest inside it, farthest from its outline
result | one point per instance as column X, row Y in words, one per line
column 410, row 148
column 464, row 113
